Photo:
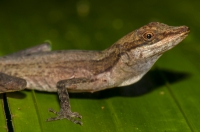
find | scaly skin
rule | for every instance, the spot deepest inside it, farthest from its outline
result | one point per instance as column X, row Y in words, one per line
column 124, row 63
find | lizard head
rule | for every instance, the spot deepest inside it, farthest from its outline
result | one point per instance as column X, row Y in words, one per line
column 152, row 39
column 140, row 49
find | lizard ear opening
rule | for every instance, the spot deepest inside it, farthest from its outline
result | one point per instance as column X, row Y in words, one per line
column 148, row 36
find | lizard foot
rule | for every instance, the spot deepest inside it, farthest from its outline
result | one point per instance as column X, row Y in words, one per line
column 72, row 116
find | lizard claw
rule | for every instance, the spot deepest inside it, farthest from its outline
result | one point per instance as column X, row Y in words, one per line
column 66, row 115
column 53, row 111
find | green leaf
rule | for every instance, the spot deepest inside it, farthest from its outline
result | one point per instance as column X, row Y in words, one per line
column 166, row 99
column 185, row 93
column 3, row 126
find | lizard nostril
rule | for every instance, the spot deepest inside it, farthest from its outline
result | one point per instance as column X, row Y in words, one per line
column 185, row 29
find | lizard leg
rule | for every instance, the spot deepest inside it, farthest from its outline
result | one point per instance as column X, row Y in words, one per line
column 10, row 83
column 65, row 110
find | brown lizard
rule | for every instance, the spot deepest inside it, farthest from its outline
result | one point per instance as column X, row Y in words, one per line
column 124, row 63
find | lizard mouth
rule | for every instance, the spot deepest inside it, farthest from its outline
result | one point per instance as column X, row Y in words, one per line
column 183, row 31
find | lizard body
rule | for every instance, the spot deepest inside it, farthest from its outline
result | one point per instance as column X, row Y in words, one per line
column 124, row 63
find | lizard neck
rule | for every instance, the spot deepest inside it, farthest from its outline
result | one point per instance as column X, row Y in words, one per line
column 128, row 66
column 133, row 68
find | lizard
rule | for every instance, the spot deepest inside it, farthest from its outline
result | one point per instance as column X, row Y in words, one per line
column 123, row 63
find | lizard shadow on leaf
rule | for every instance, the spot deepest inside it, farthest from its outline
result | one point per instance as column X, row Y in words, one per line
column 151, row 81
column 16, row 95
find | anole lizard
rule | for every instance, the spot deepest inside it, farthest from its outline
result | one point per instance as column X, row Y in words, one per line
column 124, row 63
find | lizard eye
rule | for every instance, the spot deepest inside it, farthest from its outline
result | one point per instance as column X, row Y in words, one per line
column 148, row 36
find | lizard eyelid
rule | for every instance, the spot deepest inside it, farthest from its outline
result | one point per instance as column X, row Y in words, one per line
column 148, row 36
